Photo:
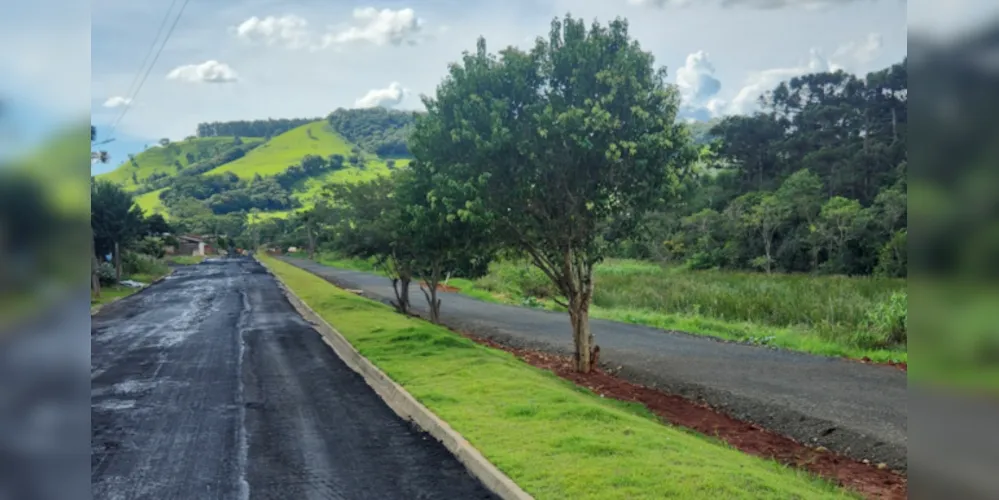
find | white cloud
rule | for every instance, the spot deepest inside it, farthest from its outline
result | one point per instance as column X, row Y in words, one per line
column 208, row 72
column 290, row 31
column 698, row 86
column 848, row 57
column 387, row 97
column 379, row 27
column 117, row 102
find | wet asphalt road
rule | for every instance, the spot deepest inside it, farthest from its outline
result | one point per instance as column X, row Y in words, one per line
column 210, row 385
column 856, row 409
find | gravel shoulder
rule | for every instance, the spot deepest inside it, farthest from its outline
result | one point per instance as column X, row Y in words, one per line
column 856, row 409
column 210, row 385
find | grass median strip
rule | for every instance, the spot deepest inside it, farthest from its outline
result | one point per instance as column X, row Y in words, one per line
column 554, row 439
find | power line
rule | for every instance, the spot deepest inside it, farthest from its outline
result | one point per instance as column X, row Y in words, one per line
column 149, row 52
column 149, row 69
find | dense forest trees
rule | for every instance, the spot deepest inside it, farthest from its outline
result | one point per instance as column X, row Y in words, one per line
column 814, row 181
column 251, row 128
column 378, row 130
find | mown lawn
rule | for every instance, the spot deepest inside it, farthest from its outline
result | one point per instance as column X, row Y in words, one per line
column 823, row 315
column 554, row 439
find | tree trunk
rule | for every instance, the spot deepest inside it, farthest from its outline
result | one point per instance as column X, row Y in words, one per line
column 117, row 263
column 95, row 276
column 312, row 243
column 431, row 295
column 579, row 316
column 400, row 286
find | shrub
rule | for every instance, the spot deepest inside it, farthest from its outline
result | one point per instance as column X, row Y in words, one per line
column 886, row 325
column 105, row 273
column 151, row 246
column 137, row 263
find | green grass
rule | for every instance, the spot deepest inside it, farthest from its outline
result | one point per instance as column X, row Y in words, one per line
column 816, row 314
column 185, row 260
column 150, row 203
column 282, row 151
column 554, row 439
column 158, row 159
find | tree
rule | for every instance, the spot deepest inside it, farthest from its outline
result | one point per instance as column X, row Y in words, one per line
column 368, row 224
column 164, row 142
column 839, row 220
column 801, row 195
column 115, row 219
column 189, row 157
column 564, row 148
column 765, row 218
column 156, row 225
column 95, row 157
column 444, row 237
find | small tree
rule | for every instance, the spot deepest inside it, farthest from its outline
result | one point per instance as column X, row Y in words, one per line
column 563, row 147
column 368, row 225
column 115, row 219
column 164, row 142
column 444, row 236
column 839, row 221
column 765, row 218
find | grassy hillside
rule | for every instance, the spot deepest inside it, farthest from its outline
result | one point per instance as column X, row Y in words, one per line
column 160, row 160
column 287, row 149
column 150, row 203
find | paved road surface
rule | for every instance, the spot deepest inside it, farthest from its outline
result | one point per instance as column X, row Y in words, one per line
column 857, row 409
column 210, row 385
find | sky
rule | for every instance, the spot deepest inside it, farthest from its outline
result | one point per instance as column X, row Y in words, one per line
column 231, row 60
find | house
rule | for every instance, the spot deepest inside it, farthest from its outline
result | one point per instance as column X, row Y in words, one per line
column 193, row 245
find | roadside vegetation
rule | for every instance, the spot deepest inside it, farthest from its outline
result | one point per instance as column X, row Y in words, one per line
column 593, row 448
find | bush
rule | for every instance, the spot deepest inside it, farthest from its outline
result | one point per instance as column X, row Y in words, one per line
column 105, row 273
column 887, row 324
column 137, row 263
column 151, row 246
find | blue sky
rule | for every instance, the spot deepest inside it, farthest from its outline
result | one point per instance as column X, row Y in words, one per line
column 261, row 58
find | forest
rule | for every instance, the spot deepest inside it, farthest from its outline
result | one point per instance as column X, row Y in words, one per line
column 251, row 128
column 377, row 130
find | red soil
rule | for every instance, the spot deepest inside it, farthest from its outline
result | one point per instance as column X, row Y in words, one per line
column 440, row 287
column 868, row 480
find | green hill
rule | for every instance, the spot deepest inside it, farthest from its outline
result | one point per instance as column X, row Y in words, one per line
column 271, row 159
column 277, row 154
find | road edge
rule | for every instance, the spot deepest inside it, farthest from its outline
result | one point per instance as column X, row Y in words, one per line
column 96, row 309
column 403, row 403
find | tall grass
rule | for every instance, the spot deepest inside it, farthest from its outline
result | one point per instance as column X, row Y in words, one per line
column 866, row 313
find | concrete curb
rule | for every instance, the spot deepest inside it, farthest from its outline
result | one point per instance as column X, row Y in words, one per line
column 405, row 405
column 96, row 309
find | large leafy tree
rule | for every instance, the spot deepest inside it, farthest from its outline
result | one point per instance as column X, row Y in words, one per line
column 565, row 147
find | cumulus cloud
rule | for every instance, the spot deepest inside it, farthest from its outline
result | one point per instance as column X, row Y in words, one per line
column 117, row 102
column 207, row 72
column 379, row 27
column 289, row 31
column 387, row 97
column 752, row 4
column 851, row 56
column 698, row 87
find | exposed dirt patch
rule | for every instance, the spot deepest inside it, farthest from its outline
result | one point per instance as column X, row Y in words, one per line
column 897, row 364
column 440, row 287
column 867, row 479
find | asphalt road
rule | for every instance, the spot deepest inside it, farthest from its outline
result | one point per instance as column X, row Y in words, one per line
column 856, row 409
column 210, row 385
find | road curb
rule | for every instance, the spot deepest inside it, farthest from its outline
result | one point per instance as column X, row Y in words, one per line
column 404, row 404
column 96, row 309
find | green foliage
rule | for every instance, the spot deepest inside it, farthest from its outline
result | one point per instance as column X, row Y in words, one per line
column 133, row 263
column 564, row 147
column 252, row 128
column 105, row 273
column 152, row 246
column 158, row 162
column 377, row 130
column 886, row 324
column 114, row 217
